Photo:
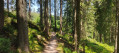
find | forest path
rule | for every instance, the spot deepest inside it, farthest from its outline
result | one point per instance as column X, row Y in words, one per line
column 52, row 45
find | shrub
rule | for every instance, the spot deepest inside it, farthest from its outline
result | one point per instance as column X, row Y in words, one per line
column 4, row 45
column 67, row 50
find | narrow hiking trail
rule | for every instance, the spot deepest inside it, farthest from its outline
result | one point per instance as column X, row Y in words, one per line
column 52, row 45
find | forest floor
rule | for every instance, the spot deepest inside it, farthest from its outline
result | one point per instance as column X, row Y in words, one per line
column 51, row 47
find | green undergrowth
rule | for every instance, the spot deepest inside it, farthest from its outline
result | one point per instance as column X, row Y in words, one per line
column 37, row 39
column 4, row 45
column 91, row 45
column 36, row 36
column 66, row 37
column 34, row 43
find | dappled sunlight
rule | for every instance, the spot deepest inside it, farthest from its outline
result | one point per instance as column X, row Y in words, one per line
column 59, row 26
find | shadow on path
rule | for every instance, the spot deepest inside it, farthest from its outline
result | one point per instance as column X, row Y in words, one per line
column 52, row 45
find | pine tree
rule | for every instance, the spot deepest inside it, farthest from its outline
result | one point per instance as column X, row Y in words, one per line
column 1, row 15
column 23, row 42
column 46, row 17
column 55, row 14
column 77, row 24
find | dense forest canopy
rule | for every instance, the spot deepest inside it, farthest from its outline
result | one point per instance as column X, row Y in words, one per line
column 59, row 26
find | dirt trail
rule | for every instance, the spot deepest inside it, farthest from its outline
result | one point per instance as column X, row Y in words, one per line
column 52, row 45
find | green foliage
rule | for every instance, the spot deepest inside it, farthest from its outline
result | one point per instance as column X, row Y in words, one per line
column 34, row 44
column 96, row 47
column 35, row 18
column 67, row 50
column 104, row 17
column 10, row 29
column 66, row 37
column 91, row 45
column 68, row 17
column 96, row 16
column 5, row 45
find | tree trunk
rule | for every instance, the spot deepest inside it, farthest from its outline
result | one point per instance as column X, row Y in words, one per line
column 29, row 9
column 77, row 24
column 41, row 13
column 60, row 16
column 110, row 38
column 105, row 38
column 83, row 47
column 23, row 42
column 1, row 15
column 46, row 18
column 111, row 34
column 116, row 44
column 93, row 35
column 100, row 37
column 8, row 5
column 55, row 13
column 75, row 33
column 73, row 18
column 115, row 50
column 50, row 13
column 117, row 13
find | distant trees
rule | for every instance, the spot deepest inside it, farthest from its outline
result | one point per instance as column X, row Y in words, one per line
column 104, row 19
column 99, row 20
column 1, row 15
column 91, row 17
column 23, row 41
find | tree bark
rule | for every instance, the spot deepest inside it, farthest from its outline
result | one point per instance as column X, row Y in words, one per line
column 1, row 15
column 55, row 13
column 23, row 42
column 117, row 13
column 100, row 37
column 73, row 30
column 8, row 5
column 29, row 9
column 77, row 24
column 93, row 35
column 115, row 50
column 50, row 14
column 60, row 16
column 111, row 35
column 75, row 33
column 46, row 18
column 41, row 13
